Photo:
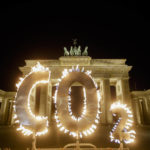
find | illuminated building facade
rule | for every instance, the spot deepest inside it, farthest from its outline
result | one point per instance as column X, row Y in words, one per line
column 111, row 75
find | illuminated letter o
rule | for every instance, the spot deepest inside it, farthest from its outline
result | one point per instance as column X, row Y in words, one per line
column 86, row 123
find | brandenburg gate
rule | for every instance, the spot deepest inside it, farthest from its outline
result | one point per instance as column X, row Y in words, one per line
column 110, row 72
column 107, row 73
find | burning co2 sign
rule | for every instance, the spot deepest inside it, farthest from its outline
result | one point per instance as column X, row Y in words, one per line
column 84, row 125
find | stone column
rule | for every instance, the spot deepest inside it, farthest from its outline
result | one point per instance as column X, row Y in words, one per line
column 141, row 111
column 148, row 108
column 106, row 116
column 1, row 110
column 146, row 104
column 10, row 112
column 43, row 99
column 147, row 117
column 12, row 119
column 123, row 91
column 136, row 110
column 4, row 110
column 49, row 101
column 33, row 100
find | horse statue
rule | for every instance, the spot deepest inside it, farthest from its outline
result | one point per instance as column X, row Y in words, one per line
column 71, row 51
column 75, row 49
column 66, row 53
column 79, row 51
column 85, row 53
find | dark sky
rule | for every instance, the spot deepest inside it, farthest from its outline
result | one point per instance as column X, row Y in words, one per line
column 33, row 30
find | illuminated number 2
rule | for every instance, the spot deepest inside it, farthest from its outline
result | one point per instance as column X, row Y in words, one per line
column 120, row 131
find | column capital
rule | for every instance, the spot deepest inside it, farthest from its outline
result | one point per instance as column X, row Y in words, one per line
column 104, row 78
column 122, row 78
column 135, row 100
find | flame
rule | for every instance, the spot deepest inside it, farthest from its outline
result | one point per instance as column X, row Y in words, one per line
column 20, row 82
column 38, row 67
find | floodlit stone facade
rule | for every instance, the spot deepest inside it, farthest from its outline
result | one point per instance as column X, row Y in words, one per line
column 109, row 74
column 106, row 72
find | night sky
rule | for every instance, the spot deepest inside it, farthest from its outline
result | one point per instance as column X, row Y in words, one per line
column 33, row 30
